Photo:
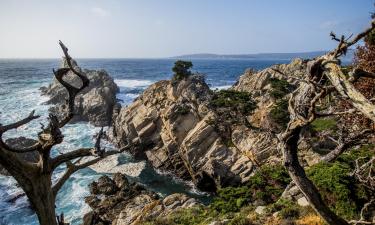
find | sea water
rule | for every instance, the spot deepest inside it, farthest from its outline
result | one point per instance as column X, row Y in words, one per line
column 20, row 80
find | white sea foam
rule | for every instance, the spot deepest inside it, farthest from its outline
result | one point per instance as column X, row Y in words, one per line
column 221, row 87
column 112, row 164
column 129, row 83
column 127, row 98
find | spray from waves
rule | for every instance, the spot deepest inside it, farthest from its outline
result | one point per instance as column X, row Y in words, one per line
column 221, row 87
column 129, row 83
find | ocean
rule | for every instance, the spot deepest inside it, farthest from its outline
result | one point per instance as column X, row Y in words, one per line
column 20, row 80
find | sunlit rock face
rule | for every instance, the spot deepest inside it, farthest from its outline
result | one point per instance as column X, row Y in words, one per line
column 174, row 125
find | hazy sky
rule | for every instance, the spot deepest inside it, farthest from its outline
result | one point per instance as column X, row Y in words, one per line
column 162, row 28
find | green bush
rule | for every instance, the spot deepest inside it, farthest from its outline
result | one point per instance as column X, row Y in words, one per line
column 280, row 114
column 323, row 124
column 266, row 185
column 339, row 189
column 280, row 88
column 238, row 100
column 188, row 216
column 286, row 208
column 181, row 69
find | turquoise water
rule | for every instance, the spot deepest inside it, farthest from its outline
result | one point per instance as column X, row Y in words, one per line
column 20, row 81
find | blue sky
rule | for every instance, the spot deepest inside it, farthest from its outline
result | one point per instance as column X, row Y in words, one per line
column 163, row 28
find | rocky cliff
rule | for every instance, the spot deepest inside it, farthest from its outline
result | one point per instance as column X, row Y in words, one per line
column 94, row 104
column 214, row 138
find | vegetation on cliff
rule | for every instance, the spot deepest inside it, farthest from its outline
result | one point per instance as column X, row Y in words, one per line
column 181, row 69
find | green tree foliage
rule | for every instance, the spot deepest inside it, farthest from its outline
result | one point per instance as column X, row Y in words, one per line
column 280, row 114
column 266, row 185
column 338, row 187
column 238, row 100
column 280, row 88
column 181, row 69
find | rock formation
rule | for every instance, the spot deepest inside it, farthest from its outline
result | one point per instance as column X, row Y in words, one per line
column 175, row 126
column 94, row 104
column 118, row 202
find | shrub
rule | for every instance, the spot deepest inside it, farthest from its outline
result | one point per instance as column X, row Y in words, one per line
column 266, row 185
column 339, row 189
column 286, row 208
column 181, row 69
column 280, row 114
column 187, row 216
column 323, row 124
column 238, row 100
column 280, row 88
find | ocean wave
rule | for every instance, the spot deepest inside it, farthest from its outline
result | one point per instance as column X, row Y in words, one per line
column 129, row 83
column 221, row 87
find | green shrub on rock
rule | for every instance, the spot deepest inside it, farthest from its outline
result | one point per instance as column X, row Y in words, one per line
column 286, row 208
column 280, row 114
column 181, row 69
column 280, row 88
column 321, row 124
column 343, row 193
column 266, row 186
column 238, row 100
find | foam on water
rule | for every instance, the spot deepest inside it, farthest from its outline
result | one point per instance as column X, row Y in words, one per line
column 221, row 87
column 128, row 83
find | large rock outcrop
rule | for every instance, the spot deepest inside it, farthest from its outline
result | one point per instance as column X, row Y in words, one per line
column 174, row 126
column 118, row 202
column 170, row 125
column 94, row 104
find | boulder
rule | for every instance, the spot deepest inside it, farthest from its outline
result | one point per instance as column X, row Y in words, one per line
column 94, row 104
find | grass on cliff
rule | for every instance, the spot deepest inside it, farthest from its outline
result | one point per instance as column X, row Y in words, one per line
column 238, row 100
column 321, row 124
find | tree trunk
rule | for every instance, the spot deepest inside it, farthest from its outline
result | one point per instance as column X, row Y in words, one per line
column 298, row 175
column 43, row 200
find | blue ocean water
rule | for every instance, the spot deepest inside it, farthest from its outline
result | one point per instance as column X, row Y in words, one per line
column 20, row 80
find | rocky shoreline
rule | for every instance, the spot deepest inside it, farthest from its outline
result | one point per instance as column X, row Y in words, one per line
column 215, row 139
column 116, row 201
column 198, row 134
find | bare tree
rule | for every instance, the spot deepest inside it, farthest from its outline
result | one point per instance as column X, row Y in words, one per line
column 35, row 178
column 324, row 76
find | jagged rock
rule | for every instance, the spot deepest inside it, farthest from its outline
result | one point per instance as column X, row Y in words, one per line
column 118, row 202
column 94, row 104
column 174, row 126
column 21, row 142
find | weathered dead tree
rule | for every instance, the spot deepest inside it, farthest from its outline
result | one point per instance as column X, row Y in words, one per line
column 35, row 178
column 324, row 76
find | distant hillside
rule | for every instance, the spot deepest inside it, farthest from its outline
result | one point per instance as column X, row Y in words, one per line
column 304, row 55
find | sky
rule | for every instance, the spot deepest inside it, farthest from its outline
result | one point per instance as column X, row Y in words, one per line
column 165, row 28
